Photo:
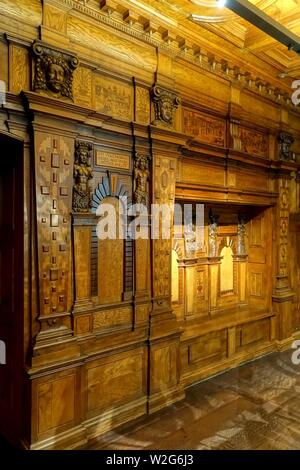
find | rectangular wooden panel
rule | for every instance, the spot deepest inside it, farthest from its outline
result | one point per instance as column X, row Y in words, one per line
column 56, row 403
column 114, row 382
column 253, row 333
column 209, row 347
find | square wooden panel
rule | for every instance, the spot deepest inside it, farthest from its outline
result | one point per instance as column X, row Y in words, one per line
column 115, row 381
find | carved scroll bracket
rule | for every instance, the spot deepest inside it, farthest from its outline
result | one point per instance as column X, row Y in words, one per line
column 53, row 71
column 165, row 104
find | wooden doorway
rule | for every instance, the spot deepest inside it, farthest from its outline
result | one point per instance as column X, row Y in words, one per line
column 11, row 287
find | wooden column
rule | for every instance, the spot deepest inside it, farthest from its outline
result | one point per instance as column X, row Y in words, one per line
column 283, row 295
column 164, row 334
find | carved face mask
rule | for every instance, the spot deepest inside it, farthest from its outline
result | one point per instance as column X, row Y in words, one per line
column 55, row 77
column 166, row 111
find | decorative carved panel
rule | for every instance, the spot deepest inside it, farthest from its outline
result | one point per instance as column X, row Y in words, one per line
column 204, row 128
column 254, row 142
column 113, row 97
column 54, row 171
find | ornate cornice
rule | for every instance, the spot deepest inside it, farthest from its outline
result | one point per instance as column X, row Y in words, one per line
column 177, row 47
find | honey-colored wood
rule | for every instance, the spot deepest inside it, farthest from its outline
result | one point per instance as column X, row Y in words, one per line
column 126, row 104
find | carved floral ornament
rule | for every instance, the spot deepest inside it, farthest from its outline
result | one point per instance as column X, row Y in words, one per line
column 165, row 104
column 53, row 71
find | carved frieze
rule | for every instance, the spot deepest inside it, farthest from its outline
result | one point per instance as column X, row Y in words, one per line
column 53, row 71
column 203, row 128
column 254, row 142
column 165, row 104
column 285, row 142
column 82, row 199
column 141, row 178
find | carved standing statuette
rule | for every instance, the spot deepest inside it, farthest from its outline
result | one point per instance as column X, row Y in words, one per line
column 241, row 235
column 53, row 71
column 82, row 200
column 141, row 178
column 165, row 104
column 285, row 142
column 213, row 235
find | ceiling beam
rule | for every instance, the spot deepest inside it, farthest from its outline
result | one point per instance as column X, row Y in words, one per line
column 261, row 20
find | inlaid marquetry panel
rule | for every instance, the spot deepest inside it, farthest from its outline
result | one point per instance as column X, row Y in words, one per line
column 112, row 318
column 113, row 97
column 54, row 176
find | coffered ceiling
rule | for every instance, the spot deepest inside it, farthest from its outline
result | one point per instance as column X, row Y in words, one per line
column 215, row 23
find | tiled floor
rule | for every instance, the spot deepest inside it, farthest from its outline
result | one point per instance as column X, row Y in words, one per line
column 256, row 406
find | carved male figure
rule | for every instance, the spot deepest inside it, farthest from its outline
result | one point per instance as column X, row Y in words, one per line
column 141, row 177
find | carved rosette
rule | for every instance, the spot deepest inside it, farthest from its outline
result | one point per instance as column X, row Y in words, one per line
column 285, row 141
column 165, row 104
column 141, row 179
column 53, row 71
column 82, row 199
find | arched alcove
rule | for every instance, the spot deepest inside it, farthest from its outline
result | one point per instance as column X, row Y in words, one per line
column 111, row 259
column 175, row 277
column 227, row 272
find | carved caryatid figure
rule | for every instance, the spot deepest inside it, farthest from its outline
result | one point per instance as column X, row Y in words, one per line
column 285, row 142
column 141, row 178
column 241, row 237
column 82, row 200
column 213, row 235
column 165, row 104
column 53, row 71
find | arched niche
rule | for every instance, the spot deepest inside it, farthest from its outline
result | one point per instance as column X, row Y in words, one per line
column 175, row 277
column 111, row 260
column 227, row 270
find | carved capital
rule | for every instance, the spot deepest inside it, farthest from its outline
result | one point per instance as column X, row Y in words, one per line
column 82, row 200
column 165, row 104
column 285, row 141
column 53, row 71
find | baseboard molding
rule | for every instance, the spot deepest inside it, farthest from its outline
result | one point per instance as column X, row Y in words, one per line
column 162, row 399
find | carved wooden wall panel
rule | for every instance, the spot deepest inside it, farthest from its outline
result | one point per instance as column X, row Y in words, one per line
column 204, row 128
column 54, row 173
column 19, row 78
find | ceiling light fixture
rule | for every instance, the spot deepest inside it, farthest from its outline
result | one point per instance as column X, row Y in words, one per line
column 221, row 3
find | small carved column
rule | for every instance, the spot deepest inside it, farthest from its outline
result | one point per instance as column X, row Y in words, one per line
column 83, row 221
column 283, row 295
column 164, row 333
column 214, row 262
column 241, row 258
column 142, row 294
